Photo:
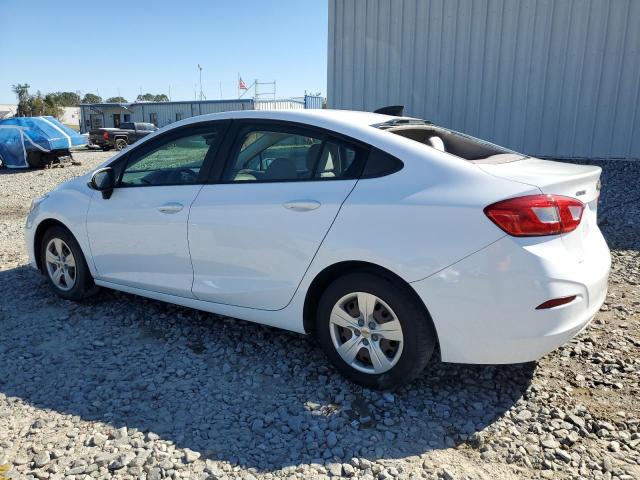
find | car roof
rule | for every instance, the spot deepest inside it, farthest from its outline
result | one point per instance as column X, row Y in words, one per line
column 331, row 119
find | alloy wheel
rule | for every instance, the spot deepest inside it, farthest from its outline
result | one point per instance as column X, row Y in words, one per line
column 61, row 264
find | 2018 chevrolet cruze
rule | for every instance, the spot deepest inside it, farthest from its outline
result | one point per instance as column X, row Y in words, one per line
column 384, row 236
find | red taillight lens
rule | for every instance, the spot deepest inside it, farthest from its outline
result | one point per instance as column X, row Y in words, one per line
column 105, row 135
column 536, row 215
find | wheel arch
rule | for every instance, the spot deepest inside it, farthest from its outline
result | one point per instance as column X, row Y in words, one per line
column 42, row 228
column 323, row 279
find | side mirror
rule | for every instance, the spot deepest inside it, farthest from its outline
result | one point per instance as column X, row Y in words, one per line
column 103, row 180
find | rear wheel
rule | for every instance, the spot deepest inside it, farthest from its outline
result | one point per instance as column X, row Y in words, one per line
column 121, row 144
column 374, row 331
column 65, row 266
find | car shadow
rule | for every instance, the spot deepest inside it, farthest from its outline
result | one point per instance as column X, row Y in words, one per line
column 234, row 391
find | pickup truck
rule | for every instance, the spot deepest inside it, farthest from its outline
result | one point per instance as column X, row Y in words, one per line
column 119, row 138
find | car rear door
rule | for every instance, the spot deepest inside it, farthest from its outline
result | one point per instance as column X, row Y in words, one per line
column 138, row 131
column 138, row 236
column 254, row 232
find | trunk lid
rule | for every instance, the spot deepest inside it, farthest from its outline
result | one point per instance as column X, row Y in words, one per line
column 568, row 179
column 559, row 178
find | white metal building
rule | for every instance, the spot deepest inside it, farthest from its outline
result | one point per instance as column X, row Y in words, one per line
column 552, row 78
column 8, row 110
column 164, row 113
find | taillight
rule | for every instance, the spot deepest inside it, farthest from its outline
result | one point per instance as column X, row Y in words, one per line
column 105, row 135
column 536, row 215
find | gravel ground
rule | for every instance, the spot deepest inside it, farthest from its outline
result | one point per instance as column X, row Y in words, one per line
column 124, row 387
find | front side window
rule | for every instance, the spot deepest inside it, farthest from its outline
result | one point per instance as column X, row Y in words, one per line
column 174, row 162
column 274, row 156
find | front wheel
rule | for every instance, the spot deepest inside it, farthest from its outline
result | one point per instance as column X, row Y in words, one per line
column 65, row 266
column 374, row 331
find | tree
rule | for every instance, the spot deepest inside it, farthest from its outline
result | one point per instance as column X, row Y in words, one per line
column 22, row 92
column 147, row 97
column 66, row 99
column 91, row 98
column 52, row 106
column 150, row 97
column 116, row 100
column 36, row 104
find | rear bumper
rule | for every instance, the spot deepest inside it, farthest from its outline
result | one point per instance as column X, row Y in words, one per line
column 483, row 307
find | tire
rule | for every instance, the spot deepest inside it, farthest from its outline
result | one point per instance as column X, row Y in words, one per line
column 121, row 144
column 34, row 159
column 405, row 358
column 77, row 280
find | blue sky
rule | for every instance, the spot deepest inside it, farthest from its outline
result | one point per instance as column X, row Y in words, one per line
column 151, row 45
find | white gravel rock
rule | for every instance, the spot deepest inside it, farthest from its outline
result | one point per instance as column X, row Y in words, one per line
column 126, row 387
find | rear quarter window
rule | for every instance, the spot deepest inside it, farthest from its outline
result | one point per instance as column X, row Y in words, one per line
column 381, row 164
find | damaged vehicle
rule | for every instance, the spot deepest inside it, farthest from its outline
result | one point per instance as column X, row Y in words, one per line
column 36, row 142
column 384, row 236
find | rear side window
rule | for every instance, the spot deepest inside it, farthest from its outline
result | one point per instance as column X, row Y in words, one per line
column 335, row 161
column 273, row 156
column 264, row 155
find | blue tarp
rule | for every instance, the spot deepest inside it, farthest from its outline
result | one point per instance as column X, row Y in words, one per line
column 21, row 135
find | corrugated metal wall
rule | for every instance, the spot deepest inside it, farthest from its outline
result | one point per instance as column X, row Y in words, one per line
column 554, row 78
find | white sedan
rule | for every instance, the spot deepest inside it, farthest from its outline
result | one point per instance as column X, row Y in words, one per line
column 386, row 237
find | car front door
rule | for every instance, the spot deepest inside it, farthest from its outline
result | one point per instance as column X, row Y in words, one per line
column 138, row 236
column 253, row 234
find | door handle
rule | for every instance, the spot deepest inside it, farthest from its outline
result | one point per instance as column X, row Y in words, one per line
column 301, row 205
column 173, row 207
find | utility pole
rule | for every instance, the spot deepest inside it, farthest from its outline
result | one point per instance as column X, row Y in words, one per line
column 200, row 69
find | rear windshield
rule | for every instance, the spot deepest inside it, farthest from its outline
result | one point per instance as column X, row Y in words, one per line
column 450, row 141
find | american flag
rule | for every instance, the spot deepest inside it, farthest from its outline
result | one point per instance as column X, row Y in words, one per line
column 242, row 85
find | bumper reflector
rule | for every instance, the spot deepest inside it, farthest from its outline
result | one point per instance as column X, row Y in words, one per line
column 556, row 302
